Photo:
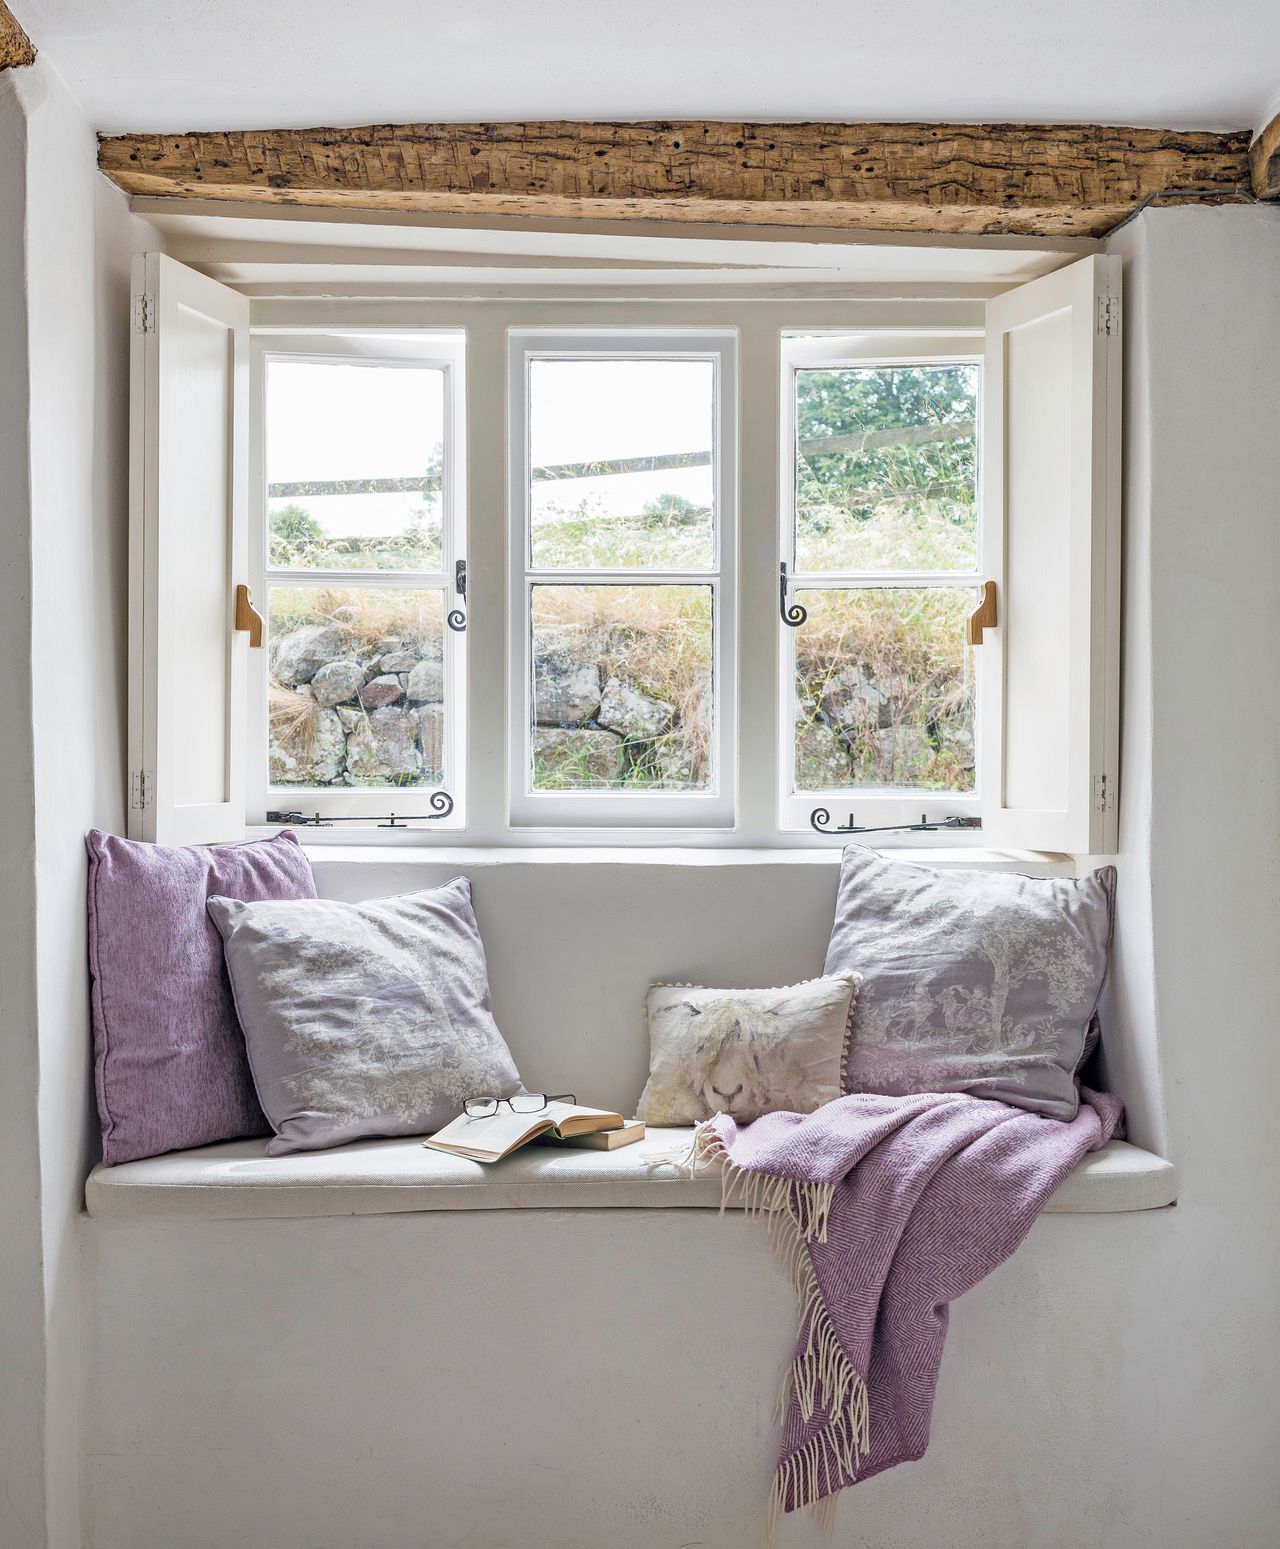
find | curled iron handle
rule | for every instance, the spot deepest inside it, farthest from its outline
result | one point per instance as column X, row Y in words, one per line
column 794, row 615
column 457, row 619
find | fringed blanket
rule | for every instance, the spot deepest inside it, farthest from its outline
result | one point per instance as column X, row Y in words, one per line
column 884, row 1210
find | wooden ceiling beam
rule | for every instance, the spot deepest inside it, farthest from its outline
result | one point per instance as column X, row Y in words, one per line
column 1037, row 180
column 16, row 47
column 1264, row 161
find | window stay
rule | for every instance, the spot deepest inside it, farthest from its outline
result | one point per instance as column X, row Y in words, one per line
column 820, row 822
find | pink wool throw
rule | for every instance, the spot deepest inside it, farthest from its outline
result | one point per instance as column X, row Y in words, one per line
column 884, row 1210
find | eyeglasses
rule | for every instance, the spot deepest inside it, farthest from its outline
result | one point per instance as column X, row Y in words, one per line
column 522, row 1102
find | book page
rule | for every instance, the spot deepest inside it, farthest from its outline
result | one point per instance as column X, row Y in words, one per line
column 494, row 1136
column 559, row 1113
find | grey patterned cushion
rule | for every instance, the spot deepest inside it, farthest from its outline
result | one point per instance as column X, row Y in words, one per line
column 979, row 982
column 363, row 1019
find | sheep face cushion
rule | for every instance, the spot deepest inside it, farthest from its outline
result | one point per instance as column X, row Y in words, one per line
column 364, row 1019
column 745, row 1052
column 978, row 982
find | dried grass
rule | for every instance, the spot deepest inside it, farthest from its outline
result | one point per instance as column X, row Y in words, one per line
column 369, row 619
column 293, row 721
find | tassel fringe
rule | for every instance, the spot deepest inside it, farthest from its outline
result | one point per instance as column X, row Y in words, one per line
column 821, row 1376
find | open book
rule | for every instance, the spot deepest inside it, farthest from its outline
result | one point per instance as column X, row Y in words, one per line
column 489, row 1140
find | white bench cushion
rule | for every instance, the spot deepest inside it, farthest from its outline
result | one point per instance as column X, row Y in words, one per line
column 238, row 1181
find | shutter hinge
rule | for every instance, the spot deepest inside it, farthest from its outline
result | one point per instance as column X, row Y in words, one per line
column 1109, row 316
column 1104, row 796
column 144, row 313
column 142, row 790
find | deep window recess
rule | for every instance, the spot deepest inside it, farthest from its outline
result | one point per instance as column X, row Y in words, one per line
column 622, row 624
column 882, row 563
column 357, row 702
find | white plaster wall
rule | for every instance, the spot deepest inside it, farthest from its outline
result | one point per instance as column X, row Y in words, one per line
column 1133, row 1062
column 574, row 941
column 573, row 944
column 22, row 1294
column 1208, row 285
column 566, row 1379
column 310, row 1385
column 64, row 600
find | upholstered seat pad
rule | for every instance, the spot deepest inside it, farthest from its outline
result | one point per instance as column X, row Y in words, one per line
column 238, row 1181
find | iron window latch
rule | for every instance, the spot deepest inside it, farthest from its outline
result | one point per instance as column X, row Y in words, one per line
column 820, row 822
column 440, row 802
column 794, row 615
column 457, row 619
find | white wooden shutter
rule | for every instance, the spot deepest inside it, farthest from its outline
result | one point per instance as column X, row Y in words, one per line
column 188, row 547
column 1049, row 671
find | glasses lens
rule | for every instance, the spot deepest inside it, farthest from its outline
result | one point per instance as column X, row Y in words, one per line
column 480, row 1107
column 529, row 1102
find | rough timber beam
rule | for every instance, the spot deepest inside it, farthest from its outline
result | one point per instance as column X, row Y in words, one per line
column 1264, row 161
column 15, row 46
column 1039, row 180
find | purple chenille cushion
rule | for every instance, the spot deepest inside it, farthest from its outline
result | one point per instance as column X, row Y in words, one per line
column 169, row 1056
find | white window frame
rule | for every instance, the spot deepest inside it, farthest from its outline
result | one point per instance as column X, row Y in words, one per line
column 440, row 349
column 866, row 806
column 716, row 808
column 1020, row 324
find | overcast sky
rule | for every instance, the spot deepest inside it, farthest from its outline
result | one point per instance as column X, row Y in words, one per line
column 329, row 421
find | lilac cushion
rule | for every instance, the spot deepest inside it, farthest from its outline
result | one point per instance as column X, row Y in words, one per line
column 169, row 1056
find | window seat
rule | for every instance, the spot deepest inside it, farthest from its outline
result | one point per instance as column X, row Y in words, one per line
column 238, row 1181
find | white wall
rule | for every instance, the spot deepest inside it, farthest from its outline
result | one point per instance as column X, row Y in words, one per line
column 1113, row 1386
column 573, row 943
column 1198, row 953
column 1143, row 1352
column 65, row 604
column 22, row 1299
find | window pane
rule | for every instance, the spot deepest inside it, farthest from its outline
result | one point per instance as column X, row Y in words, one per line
column 354, row 464
column 357, row 686
column 620, row 463
column 884, row 690
column 622, row 688
column 886, row 468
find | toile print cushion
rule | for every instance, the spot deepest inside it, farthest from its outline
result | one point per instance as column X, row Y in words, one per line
column 745, row 1052
column 364, row 1019
column 979, row 982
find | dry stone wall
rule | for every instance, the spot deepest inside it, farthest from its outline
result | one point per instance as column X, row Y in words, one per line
column 340, row 718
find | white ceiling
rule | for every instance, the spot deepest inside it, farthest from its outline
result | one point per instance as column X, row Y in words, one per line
column 171, row 65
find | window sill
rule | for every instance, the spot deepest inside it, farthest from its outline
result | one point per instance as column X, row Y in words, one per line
column 350, row 851
column 238, row 1181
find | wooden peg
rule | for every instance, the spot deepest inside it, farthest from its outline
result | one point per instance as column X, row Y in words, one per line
column 984, row 615
column 248, row 617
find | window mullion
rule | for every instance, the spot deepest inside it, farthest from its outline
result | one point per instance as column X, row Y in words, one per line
column 622, row 577
column 362, row 580
column 759, row 710
column 487, row 569
column 848, row 580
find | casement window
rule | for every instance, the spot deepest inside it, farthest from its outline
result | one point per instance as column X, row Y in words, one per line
column 357, row 549
column 891, row 597
column 622, row 569
column 884, row 567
